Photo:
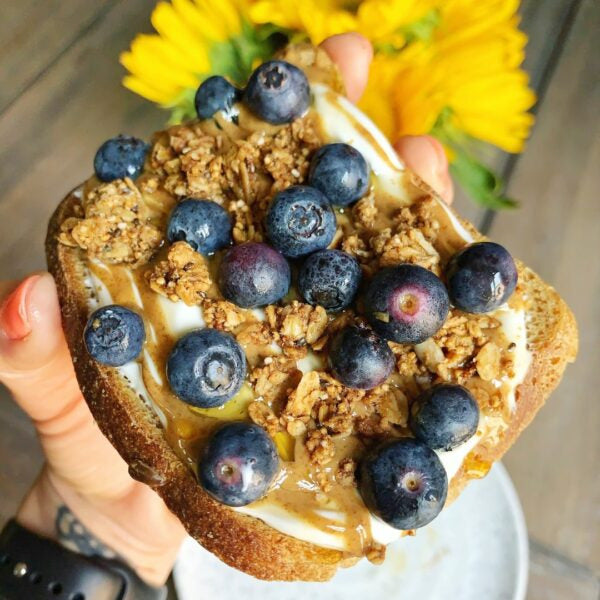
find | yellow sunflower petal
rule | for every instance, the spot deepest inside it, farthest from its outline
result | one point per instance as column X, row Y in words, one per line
column 230, row 13
column 144, row 89
column 320, row 24
column 380, row 18
column 200, row 21
column 173, row 28
column 284, row 14
column 150, row 58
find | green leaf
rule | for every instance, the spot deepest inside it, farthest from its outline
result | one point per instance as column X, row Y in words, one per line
column 423, row 29
column 482, row 185
column 225, row 60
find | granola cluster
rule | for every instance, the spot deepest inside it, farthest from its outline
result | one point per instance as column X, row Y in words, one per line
column 113, row 225
column 297, row 325
column 182, row 276
column 409, row 239
column 316, row 406
column 275, row 379
column 466, row 348
column 241, row 174
column 223, row 315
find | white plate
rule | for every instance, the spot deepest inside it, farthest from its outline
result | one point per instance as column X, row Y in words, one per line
column 476, row 549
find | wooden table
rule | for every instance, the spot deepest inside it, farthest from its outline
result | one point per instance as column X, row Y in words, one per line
column 60, row 97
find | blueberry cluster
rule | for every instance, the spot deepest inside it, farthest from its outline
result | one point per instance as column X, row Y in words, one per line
column 277, row 92
column 402, row 481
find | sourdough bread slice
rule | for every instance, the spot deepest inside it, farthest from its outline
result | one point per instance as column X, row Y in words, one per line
column 244, row 542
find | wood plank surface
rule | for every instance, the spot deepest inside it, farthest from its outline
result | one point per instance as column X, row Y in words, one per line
column 20, row 456
column 51, row 134
column 557, row 232
column 551, row 577
column 546, row 24
column 33, row 34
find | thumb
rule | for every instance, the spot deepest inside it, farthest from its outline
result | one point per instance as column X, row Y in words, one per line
column 35, row 363
column 427, row 158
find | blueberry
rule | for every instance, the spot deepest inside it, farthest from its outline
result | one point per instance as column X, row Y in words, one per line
column 119, row 157
column 203, row 224
column 403, row 483
column 216, row 94
column 444, row 416
column 277, row 92
column 238, row 464
column 114, row 335
column 359, row 358
column 329, row 278
column 340, row 172
column 206, row 368
column 300, row 221
column 481, row 277
column 253, row 274
column 406, row 303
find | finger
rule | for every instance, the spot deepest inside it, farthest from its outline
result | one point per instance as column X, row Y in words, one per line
column 427, row 158
column 352, row 53
column 35, row 363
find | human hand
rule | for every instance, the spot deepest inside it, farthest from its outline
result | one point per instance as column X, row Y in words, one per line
column 422, row 154
column 84, row 496
column 84, row 478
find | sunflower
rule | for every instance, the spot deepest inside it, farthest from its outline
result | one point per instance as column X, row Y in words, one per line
column 449, row 68
column 463, row 84
column 314, row 19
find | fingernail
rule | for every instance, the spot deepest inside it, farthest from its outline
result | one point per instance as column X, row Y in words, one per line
column 14, row 320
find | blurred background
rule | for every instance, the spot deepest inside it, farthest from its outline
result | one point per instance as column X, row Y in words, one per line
column 61, row 96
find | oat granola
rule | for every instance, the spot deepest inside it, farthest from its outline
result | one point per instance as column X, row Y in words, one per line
column 297, row 325
column 114, row 225
column 182, row 276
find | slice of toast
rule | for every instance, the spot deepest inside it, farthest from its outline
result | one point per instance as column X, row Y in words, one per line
column 245, row 542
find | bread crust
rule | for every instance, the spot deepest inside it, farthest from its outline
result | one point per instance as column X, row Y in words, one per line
column 241, row 541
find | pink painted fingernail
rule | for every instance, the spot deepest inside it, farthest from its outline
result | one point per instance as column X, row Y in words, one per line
column 14, row 322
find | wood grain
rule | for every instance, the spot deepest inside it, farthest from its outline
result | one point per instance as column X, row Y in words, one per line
column 551, row 577
column 546, row 23
column 51, row 134
column 557, row 232
column 33, row 34
column 20, row 456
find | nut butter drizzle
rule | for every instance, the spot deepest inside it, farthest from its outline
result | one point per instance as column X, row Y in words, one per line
column 339, row 511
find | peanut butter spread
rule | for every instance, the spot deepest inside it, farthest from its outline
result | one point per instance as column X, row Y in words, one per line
column 320, row 427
